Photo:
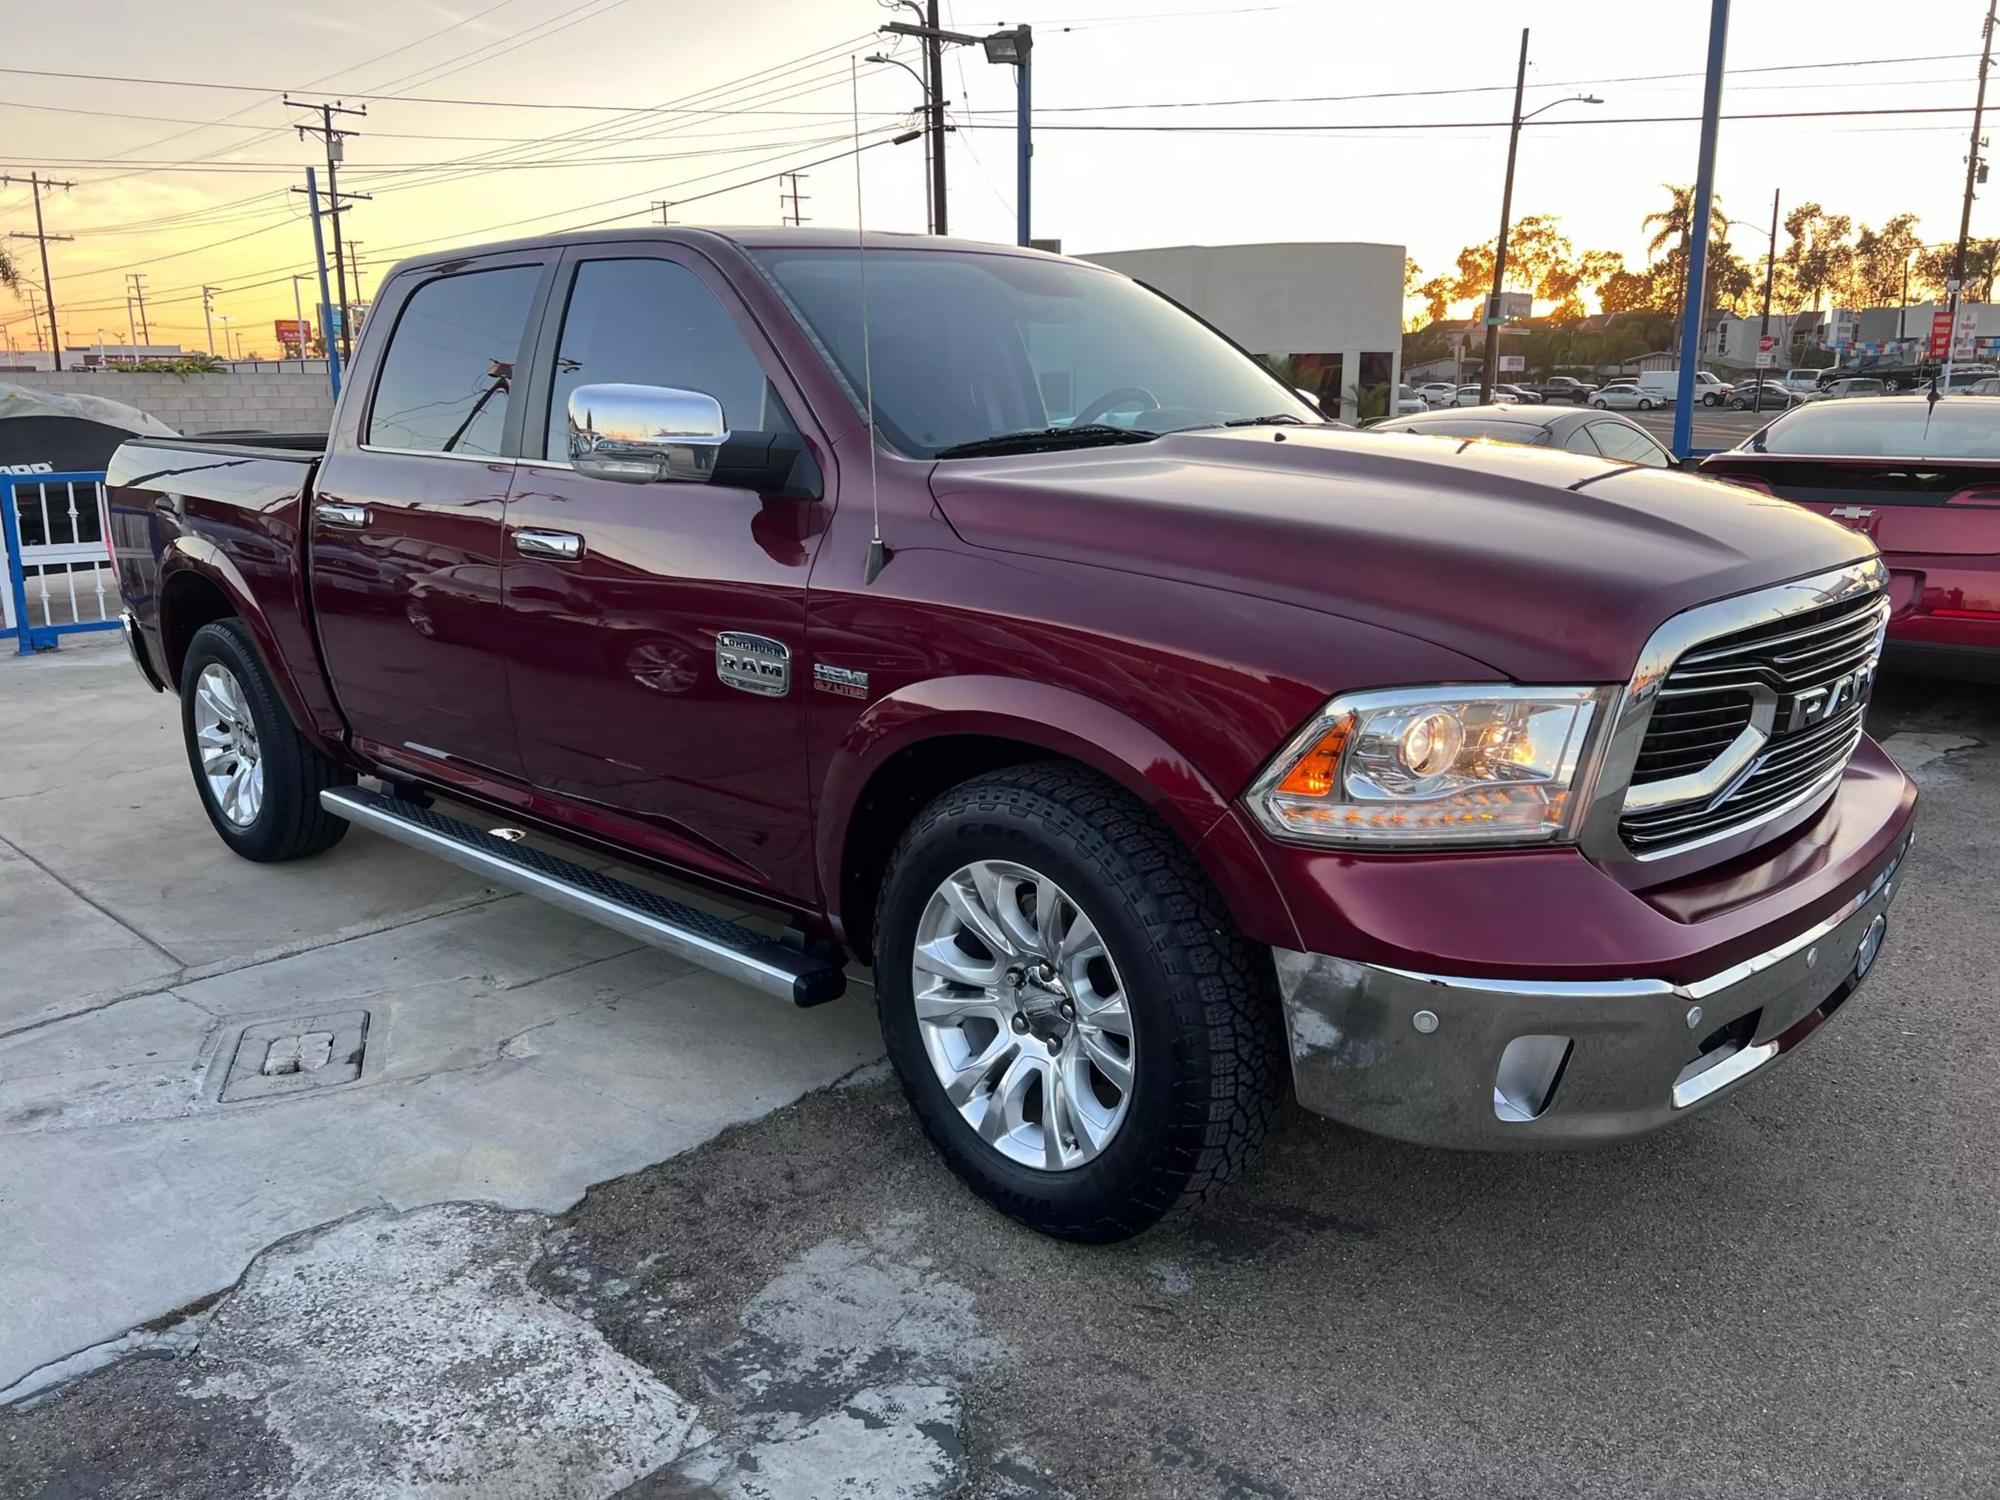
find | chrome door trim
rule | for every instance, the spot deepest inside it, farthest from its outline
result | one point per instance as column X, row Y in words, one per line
column 1599, row 837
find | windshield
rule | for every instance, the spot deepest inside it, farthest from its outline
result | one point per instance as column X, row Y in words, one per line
column 966, row 348
column 1910, row 427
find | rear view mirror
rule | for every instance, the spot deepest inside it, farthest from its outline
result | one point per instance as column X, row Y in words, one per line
column 642, row 434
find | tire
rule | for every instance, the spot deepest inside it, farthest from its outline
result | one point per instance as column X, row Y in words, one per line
column 1644, row 404
column 1204, row 1046
column 1600, row 406
column 1736, row 405
column 222, row 680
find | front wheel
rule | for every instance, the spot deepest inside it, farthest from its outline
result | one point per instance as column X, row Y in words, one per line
column 259, row 778
column 1084, row 1034
column 1644, row 404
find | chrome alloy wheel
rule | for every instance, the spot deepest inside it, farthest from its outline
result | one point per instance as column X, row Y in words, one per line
column 226, row 735
column 1023, row 1015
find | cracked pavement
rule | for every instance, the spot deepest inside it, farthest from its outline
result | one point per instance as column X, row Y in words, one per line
column 771, row 1290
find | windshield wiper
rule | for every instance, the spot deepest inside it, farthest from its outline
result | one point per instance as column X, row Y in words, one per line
column 1277, row 419
column 1047, row 439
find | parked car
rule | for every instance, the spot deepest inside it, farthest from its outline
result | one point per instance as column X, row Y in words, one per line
column 1157, row 766
column 1438, row 393
column 1618, row 396
column 1664, row 387
column 1408, row 401
column 1525, row 394
column 1854, row 385
column 1936, row 520
column 1565, row 388
column 1592, row 433
column 1759, row 395
column 1802, row 382
column 1961, row 378
column 1468, row 395
column 1986, row 386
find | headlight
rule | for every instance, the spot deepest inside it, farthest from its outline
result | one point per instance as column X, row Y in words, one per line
column 1433, row 766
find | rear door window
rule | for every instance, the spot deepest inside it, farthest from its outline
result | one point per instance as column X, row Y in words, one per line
column 449, row 368
column 1628, row 445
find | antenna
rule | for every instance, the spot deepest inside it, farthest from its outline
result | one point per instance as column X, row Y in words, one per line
column 878, row 555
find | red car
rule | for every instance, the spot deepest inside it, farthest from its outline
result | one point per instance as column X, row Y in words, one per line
column 1921, row 479
column 1163, row 750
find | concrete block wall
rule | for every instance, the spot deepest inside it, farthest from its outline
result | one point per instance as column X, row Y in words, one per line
column 259, row 400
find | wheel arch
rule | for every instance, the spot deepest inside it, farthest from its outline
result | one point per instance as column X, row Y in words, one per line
column 914, row 743
column 199, row 585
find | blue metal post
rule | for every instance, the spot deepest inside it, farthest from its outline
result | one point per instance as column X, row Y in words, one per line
column 1697, row 267
column 325, row 294
column 17, row 575
column 1023, row 141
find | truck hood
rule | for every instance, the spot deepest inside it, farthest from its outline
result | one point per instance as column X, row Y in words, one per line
column 1548, row 567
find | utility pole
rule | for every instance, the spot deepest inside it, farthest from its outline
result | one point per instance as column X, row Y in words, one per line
column 319, row 264
column 335, row 152
column 788, row 194
column 1771, row 266
column 1704, row 200
column 37, row 182
column 1486, row 369
column 934, row 108
column 663, row 205
column 138, row 280
column 208, row 316
column 1973, row 169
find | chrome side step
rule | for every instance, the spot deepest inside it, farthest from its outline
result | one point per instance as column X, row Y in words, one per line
column 712, row 942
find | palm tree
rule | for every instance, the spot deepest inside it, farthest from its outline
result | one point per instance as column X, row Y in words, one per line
column 1672, row 225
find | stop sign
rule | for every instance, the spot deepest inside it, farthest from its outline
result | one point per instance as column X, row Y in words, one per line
column 1766, row 344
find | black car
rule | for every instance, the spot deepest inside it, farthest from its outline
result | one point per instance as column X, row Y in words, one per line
column 1597, row 433
column 1761, row 395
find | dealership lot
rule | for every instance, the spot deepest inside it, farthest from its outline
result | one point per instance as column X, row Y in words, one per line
column 1789, row 1295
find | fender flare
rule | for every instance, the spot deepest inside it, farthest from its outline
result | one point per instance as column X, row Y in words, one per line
column 1063, row 722
column 194, row 555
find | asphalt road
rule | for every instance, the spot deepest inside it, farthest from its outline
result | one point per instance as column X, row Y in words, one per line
column 1714, row 427
column 1791, row 1294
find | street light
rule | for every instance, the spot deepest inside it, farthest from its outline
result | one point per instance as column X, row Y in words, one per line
column 1014, row 45
column 1506, row 213
column 930, row 208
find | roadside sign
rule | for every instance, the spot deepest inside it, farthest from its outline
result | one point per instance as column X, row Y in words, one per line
column 1766, row 359
column 1940, row 333
column 293, row 331
column 1513, row 364
column 1508, row 305
column 1765, row 343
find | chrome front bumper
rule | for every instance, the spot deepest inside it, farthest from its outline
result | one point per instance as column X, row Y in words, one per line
column 1498, row 1064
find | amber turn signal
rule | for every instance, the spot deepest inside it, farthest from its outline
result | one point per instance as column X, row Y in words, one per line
column 1317, row 772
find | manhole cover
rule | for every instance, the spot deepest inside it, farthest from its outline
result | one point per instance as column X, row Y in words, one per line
column 274, row 1058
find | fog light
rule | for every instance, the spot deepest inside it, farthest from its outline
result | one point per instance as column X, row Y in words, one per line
column 1529, row 1071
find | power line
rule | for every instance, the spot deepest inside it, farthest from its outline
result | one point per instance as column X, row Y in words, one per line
column 1326, row 128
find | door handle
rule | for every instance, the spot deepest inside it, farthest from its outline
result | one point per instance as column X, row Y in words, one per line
column 347, row 517
column 566, row 545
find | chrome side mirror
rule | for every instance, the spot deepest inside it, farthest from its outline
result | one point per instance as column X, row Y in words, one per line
column 641, row 434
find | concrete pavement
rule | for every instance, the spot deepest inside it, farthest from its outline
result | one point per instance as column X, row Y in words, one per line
column 1791, row 1294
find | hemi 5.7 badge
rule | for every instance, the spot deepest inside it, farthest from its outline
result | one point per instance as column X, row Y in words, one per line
column 844, row 682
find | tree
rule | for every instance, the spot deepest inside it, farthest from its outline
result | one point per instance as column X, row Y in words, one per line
column 1672, row 224
column 1933, row 269
column 10, row 274
column 1819, row 256
column 1625, row 291
column 1881, row 262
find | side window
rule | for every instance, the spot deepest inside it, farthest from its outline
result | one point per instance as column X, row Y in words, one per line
column 1579, row 441
column 450, row 363
column 1627, row 445
column 652, row 322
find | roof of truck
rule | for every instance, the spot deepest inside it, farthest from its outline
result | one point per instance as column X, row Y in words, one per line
column 747, row 237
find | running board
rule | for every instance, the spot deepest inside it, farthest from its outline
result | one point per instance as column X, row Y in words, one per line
column 712, row 942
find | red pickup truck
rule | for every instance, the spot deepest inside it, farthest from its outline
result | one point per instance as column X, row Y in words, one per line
column 1163, row 749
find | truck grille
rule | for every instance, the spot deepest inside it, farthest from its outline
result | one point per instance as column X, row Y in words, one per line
column 1711, row 694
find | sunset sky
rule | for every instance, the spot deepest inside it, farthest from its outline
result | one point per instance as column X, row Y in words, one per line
column 190, row 185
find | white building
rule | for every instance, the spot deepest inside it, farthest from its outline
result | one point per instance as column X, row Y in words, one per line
column 1334, row 308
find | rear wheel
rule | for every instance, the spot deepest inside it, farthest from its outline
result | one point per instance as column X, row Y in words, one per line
column 259, row 778
column 1599, row 405
column 1083, row 1033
